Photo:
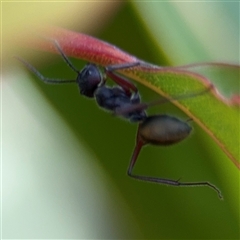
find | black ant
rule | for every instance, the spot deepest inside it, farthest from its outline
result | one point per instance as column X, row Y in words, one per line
column 124, row 100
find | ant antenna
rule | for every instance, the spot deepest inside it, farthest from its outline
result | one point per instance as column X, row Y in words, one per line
column 51, row 80
column 64, row 56
column 41, row 77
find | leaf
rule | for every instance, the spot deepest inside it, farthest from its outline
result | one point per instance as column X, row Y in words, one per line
column 224, row 76
column 217, row 111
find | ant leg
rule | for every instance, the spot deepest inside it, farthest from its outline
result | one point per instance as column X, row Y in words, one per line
column 114, row 67
column 144, row 106
column 139, row 144
column 41, row 77
column 121, row 81
column 126, row 85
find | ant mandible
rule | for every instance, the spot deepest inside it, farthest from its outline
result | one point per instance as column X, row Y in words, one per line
column 124, row 100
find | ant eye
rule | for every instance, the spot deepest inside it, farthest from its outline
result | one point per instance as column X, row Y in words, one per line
column 86, row 73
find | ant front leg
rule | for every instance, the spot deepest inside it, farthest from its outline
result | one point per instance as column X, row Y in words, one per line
column 120, row 80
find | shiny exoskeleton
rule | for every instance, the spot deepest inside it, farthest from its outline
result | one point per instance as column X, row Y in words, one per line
column 124, row 100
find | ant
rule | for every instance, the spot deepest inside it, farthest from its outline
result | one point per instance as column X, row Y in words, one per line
column 124, row 100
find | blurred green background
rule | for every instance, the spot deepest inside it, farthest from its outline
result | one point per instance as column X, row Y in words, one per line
column 65, row 160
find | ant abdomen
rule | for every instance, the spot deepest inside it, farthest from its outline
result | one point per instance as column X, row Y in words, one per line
column 163, row 130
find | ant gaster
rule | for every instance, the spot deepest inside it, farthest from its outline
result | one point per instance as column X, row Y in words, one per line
column 124, row 100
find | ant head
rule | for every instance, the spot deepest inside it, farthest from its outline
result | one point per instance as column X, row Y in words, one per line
column 89, row 79
column 163, row 130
